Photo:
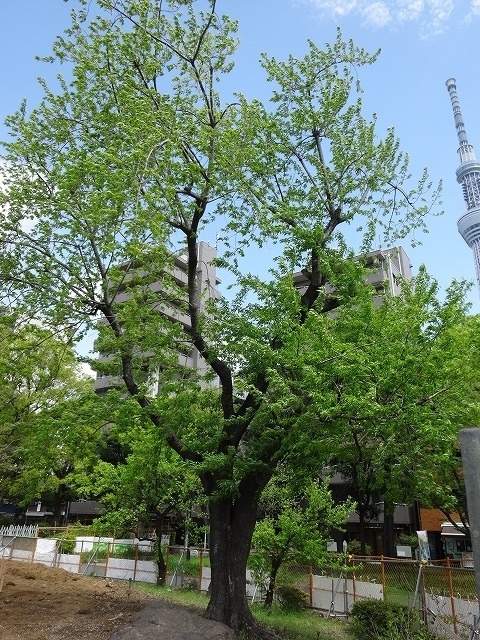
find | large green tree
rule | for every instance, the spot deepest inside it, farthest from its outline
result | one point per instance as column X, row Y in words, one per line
column 403, row 387
column 135, row 155
column 152, row 486
column 443, row 482
column 48, row 422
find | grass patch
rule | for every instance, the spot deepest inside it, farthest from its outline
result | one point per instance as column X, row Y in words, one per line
column 185, row 597
column 400, row 596
column 301, row 625
column 402, row 577
column 190, row 567
column 101, row 551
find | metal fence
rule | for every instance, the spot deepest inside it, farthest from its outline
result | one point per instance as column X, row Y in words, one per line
column 106, row 558
column 443, row 592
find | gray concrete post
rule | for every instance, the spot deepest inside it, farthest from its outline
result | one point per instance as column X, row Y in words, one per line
column 470, row 448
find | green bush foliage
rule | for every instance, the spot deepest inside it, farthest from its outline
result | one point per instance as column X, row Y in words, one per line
column 67, row 538
column 409, row 541
column 291, row 598
column 355, row 548
column 67, row 544
column 384, row 621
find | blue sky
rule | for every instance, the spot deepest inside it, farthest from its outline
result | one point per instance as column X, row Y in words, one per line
column 423, row 43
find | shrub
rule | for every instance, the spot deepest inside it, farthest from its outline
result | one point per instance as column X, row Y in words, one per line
column 190, row 567
column 384, row 621
column 190, row 584
column 67, row 544
column 407, row 540
column 355, row 548
column 99, row 551
column 67, row 539
column 291, row 598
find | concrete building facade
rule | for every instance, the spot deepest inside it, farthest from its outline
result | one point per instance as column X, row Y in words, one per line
column 388, row 268
column 207, row 281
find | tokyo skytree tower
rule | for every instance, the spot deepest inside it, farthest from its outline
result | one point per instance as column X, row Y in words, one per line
column 468, row 175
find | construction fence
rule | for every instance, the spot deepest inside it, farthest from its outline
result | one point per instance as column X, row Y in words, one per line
column 101, row 557
column 443, row 592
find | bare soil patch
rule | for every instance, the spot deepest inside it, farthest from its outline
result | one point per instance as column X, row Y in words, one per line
column 43, row 603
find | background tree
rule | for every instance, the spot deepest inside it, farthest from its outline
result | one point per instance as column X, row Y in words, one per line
column 295, row 525
column 398, row 398
column 56, row 445
column 47, row 409
column 151, row 486
column 443, row 483
column 138, row 155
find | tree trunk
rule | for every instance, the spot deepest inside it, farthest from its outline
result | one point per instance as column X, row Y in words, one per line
column 271, row 584
column 161, row 564
column 159, row 559
column 60, row 500
column 388, row 531
column 58, row 505
column 363, row 529
column 231, row 528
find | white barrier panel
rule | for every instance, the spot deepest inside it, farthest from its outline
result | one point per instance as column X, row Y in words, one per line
column 327, row 591
column 86, row 543
column 45, row 551
column 146, row 571
column 440, row 619
column 120, row 569
column 45, row 545
column 338, row 594
column 252, row 588
column 48, row 559
column 18, row 554
column 68, row 562
column 206, row 578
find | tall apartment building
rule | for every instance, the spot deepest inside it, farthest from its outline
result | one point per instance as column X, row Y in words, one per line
column 207, row 288
column 388, row 268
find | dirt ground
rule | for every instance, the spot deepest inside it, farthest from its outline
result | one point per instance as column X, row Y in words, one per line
column 42, row 603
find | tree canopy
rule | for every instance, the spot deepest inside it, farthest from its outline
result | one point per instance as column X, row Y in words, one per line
column 403, row 383
column 49, row 426
column 152, row 484
column 295, row 525
column 135, row 157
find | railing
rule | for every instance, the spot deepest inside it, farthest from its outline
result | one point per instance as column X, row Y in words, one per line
column 19, row 531
column 3, row 568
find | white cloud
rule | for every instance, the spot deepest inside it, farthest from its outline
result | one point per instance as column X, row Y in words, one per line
column 410, row 10
column 474, row 11
column 337, row 7
column 377, row 14
column 87, row 370
column 432, row 16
